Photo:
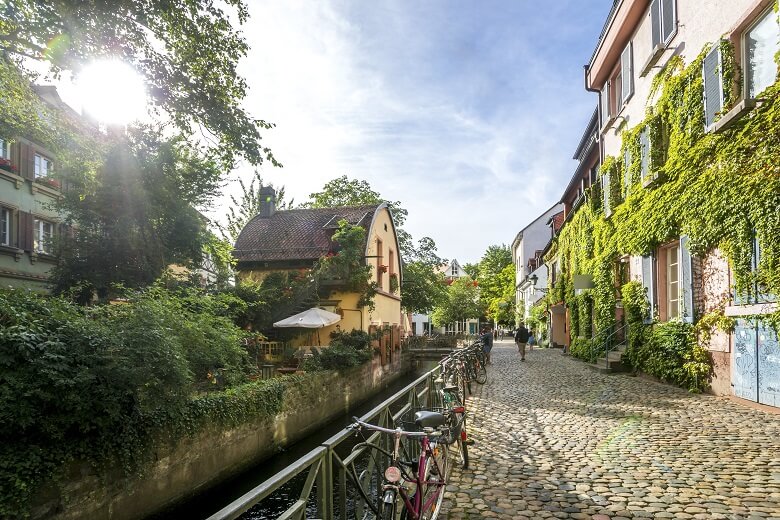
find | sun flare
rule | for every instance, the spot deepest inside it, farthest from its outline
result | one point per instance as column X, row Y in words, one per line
column 112, row 92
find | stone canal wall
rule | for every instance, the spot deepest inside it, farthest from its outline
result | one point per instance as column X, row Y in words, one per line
column 197, row 463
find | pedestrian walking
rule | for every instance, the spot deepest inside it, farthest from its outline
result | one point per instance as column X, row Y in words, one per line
column 487, row 343
column 531, row 341
column 521, row 339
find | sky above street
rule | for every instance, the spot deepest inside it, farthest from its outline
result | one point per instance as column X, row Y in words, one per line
column 467, row 112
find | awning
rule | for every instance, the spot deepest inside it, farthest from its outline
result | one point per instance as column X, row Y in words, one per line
column 314, row 318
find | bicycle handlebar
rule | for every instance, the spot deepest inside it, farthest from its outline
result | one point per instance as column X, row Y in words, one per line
column 397, row 431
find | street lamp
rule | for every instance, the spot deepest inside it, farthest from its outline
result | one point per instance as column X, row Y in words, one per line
column 534, row 280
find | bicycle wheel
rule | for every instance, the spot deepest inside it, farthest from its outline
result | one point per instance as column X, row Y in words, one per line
column 436, row 473
column 481, row 377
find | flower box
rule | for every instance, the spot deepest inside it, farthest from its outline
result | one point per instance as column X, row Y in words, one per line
column 49, row 181
column 7, row 165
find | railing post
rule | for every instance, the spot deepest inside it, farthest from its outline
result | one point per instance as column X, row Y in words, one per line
column 325, row 486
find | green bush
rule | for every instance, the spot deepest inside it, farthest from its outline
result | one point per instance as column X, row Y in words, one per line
column 669, row 351
column 581, row 348
column 346, row 350
column 95, row 383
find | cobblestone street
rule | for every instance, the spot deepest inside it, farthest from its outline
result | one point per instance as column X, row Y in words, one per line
column 556, row 439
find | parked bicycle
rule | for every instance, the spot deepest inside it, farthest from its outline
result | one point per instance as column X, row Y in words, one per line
column 411, row 489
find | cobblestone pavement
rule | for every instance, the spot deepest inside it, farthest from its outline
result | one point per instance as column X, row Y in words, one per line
column 556, row 439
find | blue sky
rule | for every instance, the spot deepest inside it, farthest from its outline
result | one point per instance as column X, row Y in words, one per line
column 466, row 112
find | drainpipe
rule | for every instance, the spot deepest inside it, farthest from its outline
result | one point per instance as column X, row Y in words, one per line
column 586, row 69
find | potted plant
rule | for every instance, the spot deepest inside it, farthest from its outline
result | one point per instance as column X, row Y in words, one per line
column 49, row 181
column 7, row 165
column 382, row 268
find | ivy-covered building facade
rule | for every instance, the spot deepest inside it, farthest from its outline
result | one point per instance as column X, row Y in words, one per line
column 672, row 252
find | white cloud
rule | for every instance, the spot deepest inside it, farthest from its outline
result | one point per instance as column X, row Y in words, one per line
column 474, row 145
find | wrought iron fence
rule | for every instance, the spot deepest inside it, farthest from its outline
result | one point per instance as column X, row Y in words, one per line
column 328, row 491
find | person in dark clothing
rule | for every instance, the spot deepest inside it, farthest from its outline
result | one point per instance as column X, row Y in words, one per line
column 487, row 343
column 521, row 339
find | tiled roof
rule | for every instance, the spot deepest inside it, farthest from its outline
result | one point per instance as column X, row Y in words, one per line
column 296, row 234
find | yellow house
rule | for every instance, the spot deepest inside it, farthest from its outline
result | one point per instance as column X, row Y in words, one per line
column 291, row 240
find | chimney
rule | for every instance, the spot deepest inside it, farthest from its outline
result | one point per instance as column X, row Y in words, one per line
column 267, row 202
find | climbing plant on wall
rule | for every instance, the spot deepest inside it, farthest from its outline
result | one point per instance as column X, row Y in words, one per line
column 722, row 190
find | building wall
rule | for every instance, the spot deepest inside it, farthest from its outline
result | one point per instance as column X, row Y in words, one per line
column 699, row 23
column 20, row 266
column 387, row 304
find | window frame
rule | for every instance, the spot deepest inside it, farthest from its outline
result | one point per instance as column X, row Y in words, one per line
column 39, row 160
column 743, row 54
column 673, row 303
column 5, row 148
column 624, row 98
column 40, row 244
column 659, row 12
column 5, row 226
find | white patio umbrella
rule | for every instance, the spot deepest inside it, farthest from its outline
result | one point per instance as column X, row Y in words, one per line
column 314, row 318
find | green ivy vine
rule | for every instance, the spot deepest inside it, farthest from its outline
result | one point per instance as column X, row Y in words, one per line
column 722, row 190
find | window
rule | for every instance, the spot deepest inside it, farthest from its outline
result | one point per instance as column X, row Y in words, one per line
column 762, row 42
column 663, row 18
column 605, row 194
column 606, row 112
column 5, row 227
column 43, row 235
column 713, row 86
column 673, row 282
column 390, row 261
column 5, row 152
column 454, row 271
column 43, row 166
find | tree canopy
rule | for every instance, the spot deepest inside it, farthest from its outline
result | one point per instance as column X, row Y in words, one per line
column 247, row 205
column 186, row 51
column 423, row 283
column 461, row 303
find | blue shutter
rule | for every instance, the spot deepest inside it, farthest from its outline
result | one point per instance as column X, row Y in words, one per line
column 655, row 22
column 686, row 281
column 648, row 282
column 668, row 19
column 713, row 91
column 627, row 72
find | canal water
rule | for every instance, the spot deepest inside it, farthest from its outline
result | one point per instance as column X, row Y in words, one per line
column 205, row 504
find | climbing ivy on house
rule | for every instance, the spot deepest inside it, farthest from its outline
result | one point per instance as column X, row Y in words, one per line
column 722, row 190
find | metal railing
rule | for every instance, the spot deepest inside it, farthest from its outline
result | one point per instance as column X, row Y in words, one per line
column 327, row 467
column 608, row 344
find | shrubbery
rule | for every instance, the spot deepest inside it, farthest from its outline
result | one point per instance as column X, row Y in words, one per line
column 94, row 382
column 346, row 350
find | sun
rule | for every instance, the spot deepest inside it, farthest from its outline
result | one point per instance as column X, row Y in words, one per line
column 112, row 92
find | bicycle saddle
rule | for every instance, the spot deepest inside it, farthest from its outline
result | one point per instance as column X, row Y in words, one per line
column 426, row 419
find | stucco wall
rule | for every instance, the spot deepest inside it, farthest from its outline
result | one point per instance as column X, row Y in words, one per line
column 699, row 23
column 197, row 463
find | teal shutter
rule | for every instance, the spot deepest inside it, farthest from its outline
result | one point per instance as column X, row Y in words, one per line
column 713, row 88
column 686, row 281
column 648, row 282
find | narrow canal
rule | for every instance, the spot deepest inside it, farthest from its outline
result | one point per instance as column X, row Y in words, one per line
column 205, row 504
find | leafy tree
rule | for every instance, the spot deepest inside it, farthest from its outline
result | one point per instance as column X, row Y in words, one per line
column 462, row 303
column 471, row 269
column 245, row 207
column 344, row 191
column 424, row 285
column 136, row 217
column 348, row 265
column 502, row 308
column 493, row 262
column 187, row 52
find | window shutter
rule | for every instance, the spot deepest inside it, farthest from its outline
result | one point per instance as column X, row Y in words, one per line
column 627, row 169
column 668, row 19
column 627, row 72
column 648, row 283
column 605, row 190
column 605, row 104
column 713, row 91
column 644, row 150
column 25, row 231
column 686, row 281
column 655, row 21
